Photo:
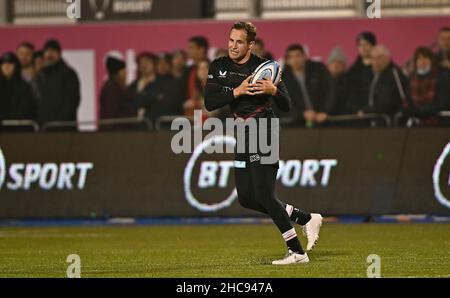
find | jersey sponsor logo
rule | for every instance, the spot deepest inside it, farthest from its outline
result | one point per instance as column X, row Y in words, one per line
column 441, row 177
column 46, row 176
column 244, row 75
column 222, row 74
column 210, row 76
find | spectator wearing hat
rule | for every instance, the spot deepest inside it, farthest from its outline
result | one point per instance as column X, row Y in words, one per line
column 59, row 87
column 360, row 72
column 337, row 66
column 430, row 87
column 16, row 98
column 115, row 100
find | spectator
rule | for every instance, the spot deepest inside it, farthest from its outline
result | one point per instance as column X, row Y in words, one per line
column 16, row 98
column 164, row 66
column 115, row 101
column 146, row 62
column 337, row 66
column 360, row 72
column 38, row 62
column 387, row 90
column 197, row 103
column 197, row 51
column 220, row 52
column 179, row 68
column 443, row 55
column 259, row 49
column 38, row 65
column 430, row 87
column 310, row 85
column 60, row 87
column 155, row 96
column 25, row 53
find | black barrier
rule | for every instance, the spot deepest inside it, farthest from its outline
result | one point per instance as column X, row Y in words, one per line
column 136, row 174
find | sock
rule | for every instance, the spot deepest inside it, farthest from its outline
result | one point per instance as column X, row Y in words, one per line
column 298, row 216
column 292, row 241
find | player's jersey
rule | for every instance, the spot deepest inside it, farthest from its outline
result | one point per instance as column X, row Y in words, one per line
column 225, row 75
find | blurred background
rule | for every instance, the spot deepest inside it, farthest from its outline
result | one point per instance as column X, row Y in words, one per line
column 89, row 89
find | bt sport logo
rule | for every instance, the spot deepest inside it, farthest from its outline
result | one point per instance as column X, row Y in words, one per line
column 47, row 176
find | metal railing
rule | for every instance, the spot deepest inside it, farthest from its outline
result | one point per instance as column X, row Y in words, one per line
column 444, row 114
column 101, row 123
column 352, row 117
column 348, row 118
column 31, row 124
column 149, row 126
column 169, row 119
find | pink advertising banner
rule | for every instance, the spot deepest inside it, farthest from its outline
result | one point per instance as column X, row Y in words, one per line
column 400, row 35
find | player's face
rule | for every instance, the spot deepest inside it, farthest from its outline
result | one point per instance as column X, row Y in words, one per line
column 238, row 46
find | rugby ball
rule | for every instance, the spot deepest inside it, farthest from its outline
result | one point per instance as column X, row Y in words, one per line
column 269, row 69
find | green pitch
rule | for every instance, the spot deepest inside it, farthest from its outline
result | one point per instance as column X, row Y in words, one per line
column 406, row 250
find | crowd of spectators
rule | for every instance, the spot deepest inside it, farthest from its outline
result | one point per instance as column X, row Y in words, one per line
column 40, row 85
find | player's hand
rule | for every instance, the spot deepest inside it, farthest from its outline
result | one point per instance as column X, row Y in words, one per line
column 244, row 89
column 265, row 87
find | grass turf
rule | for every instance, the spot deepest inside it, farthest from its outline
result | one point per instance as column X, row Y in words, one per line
column 406, row 250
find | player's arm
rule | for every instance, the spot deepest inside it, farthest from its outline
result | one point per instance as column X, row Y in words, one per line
column 279, row 93
column 282, row 98
column 218, row 96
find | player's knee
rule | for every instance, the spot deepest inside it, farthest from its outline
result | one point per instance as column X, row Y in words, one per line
column 248, row 203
